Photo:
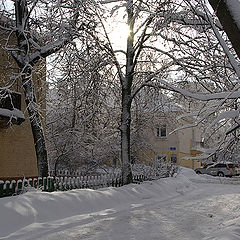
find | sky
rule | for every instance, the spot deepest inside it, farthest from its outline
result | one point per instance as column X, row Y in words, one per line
column 6, row 4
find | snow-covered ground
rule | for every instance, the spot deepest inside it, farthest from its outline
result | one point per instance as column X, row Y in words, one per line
column 181, row 207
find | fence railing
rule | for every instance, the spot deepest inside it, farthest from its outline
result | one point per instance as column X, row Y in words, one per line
column 50, row 184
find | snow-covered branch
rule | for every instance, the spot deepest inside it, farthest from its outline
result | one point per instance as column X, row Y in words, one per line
column 200, row 96
column 231, row 58
column 228, row 14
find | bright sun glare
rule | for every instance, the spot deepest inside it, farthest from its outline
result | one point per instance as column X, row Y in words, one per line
column 119, row 34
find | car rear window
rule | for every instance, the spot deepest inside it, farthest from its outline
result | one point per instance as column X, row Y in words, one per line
column 220, row 165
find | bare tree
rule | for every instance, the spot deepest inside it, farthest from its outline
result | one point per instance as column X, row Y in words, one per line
column 168, row 42
column 82, row 113
column 40, row 28
column 165, row 37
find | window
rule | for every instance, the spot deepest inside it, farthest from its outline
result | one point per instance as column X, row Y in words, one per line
column 10, row 100
column 173, row 158
column 220, row 165
column 162, row 131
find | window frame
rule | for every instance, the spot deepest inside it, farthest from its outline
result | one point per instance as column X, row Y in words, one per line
column 159, row 131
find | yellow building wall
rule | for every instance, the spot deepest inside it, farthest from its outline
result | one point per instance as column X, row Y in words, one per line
column 181, row 140
column 189, row 163
column 17, row 151
column 148, row 157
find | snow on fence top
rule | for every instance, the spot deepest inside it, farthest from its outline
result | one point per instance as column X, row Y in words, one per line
column 51, row 184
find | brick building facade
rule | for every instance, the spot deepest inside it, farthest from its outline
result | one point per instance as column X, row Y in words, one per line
column 17, row 152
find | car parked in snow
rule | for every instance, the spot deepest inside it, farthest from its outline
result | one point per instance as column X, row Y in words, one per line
column 219, row 169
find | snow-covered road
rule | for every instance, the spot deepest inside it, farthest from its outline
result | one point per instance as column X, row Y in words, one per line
column 192, row 216
column 188, row 211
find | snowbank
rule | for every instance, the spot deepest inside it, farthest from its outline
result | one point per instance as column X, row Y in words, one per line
column 39, row 207
column 211, row 207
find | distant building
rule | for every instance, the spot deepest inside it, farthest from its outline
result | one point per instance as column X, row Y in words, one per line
column 165, row 143
column 17, row 152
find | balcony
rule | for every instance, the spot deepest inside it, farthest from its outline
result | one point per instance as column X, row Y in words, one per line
column 197, row 145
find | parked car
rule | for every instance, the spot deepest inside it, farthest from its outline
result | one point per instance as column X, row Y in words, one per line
column 219, row 169
column 203, row 169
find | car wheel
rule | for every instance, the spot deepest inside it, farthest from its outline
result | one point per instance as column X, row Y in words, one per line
column 198, row 172
column 221, row 174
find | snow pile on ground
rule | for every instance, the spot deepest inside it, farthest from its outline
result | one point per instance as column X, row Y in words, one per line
column 176, row 205
column 230, row 230
column 37, row 207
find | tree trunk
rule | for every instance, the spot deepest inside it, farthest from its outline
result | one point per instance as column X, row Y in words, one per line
column 125, row 137
column 36, row 124
column 127, row 101
column 228, row 22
